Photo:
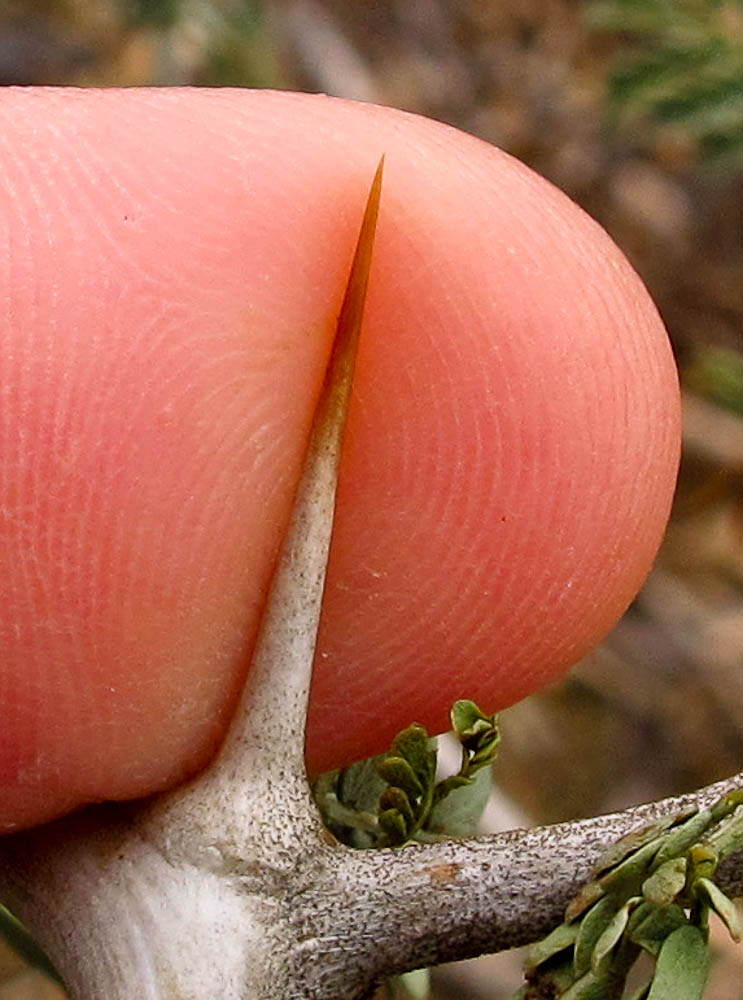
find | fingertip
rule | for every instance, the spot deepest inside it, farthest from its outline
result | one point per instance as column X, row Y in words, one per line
column 169, row 303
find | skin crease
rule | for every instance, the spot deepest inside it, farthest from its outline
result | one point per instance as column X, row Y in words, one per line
column 173, row 266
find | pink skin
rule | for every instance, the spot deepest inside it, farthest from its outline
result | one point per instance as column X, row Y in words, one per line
column 173, row 267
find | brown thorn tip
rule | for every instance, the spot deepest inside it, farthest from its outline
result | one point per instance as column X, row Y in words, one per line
column 339, row 374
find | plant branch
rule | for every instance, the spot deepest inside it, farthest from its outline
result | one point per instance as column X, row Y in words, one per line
column 390, row 911
column 457, row 899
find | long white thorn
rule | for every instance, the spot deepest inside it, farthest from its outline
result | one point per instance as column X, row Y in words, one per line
column 262, row 758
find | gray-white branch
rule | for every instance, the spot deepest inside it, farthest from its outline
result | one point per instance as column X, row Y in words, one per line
column 229, row 887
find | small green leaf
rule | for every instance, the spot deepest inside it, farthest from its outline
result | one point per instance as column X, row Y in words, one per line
column 679, row 840
column 728, row 803
column 350, row 825
column 394, row 826
column 416, row 747
column 664, row 885
column 475, row 730
column 591, row 927
column 610, row 938
column 451, row 784
column 485, row 754
column 724, row 907
column 416, row 984
column 626, row 879
column 396, row 799
column 702, row 862
column 396, row 771
column 457, row 812
column 655, row 926
column 591, row 987
column 640, row 913
column 468, row 717
column 558, row 940
column 682, row 966
column 360, row 785
column 464, row 715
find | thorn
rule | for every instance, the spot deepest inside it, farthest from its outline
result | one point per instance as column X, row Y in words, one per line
column 339, row 374
column 258, row 776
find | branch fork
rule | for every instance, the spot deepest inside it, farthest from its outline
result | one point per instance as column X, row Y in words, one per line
column 229, row 886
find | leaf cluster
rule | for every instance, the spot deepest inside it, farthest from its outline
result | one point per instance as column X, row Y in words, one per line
column 653, row 893
column 679, row 72
column 389, row 800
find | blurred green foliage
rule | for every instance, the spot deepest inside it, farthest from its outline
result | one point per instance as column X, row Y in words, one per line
column 717, row 372
column 678, row 73
column 156, row 13
column 243, row 51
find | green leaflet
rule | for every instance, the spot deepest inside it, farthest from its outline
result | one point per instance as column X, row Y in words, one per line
column 655, row 926
column 389, row 800
column 395, row 800
column 393, row 826
column 725, row 908
column 588, row 987
column 457, row 813
column 683, row 836
column 681, row 970
column 602, row 955
column 397, row 771
column 627, row 878
column 467, row 720
column 666, row 882
column 413, row 746
column 562, row 937
column 477, row 732
column 414, row 985
column 590, row 929
column 348, row 801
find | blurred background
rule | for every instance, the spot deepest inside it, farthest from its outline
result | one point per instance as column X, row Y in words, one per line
column 635, row 109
